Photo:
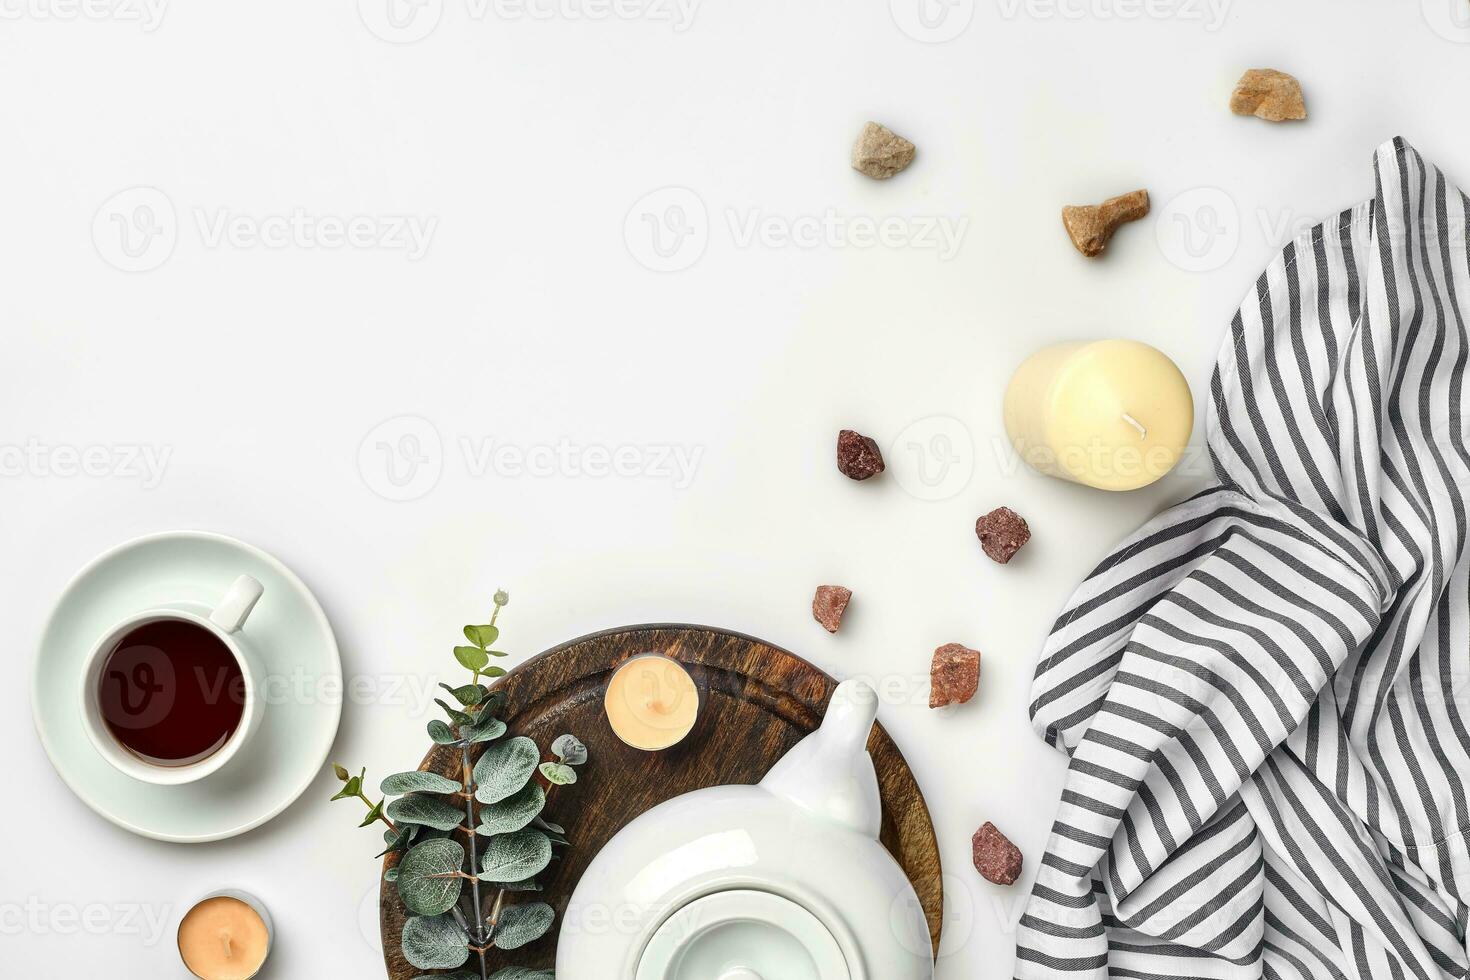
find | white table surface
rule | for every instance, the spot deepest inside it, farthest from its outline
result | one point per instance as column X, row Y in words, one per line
column 524, row 145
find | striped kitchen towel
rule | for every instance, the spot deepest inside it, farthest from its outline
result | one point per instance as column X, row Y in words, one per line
column 1265, row 693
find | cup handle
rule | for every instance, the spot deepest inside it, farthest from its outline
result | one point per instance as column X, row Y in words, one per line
column 235, row 608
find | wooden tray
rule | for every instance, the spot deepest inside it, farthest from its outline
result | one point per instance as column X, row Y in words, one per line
column 757, row 702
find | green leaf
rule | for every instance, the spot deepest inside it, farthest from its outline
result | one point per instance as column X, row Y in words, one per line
column 428, row 877
column 516, row 973
column 455, row 715
column 469, row 695
column 544, row 824
column 470, row 975
column 373, row 814
column 524, row 885
column 569, row 749
column 512, row 813
column 471, row 658
column 505, row 768
column 350, row 790
column 487, row 729
column 419, row 782
column 391, row 875
column 396, row 840
column 482, row 636
column 512, row 857
column 435, row 943
column 441, row 733
column 522, row 924
column 430, row 811
column 493, row 672
column 557, row 774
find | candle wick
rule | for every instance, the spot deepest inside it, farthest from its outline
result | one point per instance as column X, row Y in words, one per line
column 225, row 938
column 1142, row 432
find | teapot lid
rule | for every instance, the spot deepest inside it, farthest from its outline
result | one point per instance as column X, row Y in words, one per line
column 743, row 935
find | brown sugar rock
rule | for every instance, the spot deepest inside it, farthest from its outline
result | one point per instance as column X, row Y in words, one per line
column 996, row 858
column 880, row 152
column 858, row 457
column 1091, row 226
column 829, row 605
column 954, row 675
column 1002, row 533
column 1268, row 94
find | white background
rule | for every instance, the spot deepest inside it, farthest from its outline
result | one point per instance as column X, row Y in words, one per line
column 530, row 321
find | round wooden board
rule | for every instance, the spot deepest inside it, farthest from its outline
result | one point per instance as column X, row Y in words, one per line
column 757, row 702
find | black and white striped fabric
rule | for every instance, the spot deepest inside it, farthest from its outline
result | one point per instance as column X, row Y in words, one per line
column 1264, row 691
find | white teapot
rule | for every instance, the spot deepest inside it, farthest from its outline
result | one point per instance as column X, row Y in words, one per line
column 784, row 880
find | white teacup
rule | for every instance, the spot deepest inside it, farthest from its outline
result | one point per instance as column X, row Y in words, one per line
column 224, row 622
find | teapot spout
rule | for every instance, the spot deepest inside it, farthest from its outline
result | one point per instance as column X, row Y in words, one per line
column 829, row 773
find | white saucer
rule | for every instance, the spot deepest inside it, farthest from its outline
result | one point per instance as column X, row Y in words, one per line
column 298, row 652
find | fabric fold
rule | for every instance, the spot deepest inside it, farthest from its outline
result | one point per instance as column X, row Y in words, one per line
column 1262, row 691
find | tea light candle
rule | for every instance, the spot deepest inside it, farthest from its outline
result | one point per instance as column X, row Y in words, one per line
column 651, row 702
column 1112, row 414
column 227, row 936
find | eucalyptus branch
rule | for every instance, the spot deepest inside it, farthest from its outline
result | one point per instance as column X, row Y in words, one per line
column 502, row 801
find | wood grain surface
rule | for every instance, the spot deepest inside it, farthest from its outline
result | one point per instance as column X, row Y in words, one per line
column 757, row 701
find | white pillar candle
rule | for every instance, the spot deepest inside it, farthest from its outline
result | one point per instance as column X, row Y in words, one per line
column 1112, row 414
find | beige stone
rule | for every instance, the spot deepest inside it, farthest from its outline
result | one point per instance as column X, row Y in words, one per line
column 1269, row 94
column 1092, row 225
column 880, row 153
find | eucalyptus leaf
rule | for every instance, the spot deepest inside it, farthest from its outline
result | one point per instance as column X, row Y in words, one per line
column 482, row 636
column 471, row 658
column 468, row 975
column 522, row 924
column 419, row 782
column 487, row 729
column 455, row 715
column 396, row 840
column 512, row 857
column 441, row 733
column 391, row 875
column 352, row 787
column 569, row 749
column 512, row 813
column 542, row 823
column 524, row 885
column 429, row 877
column 505, row 768
column 469, row 695
column 557, row 774
column 493, row 671
column 430, row 811
column 518, row 973
column 373, row 814
column 435, row 943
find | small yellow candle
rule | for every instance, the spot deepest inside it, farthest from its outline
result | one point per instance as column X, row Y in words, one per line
column 224, row 938
column 1113, row 414
column 651, row 702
